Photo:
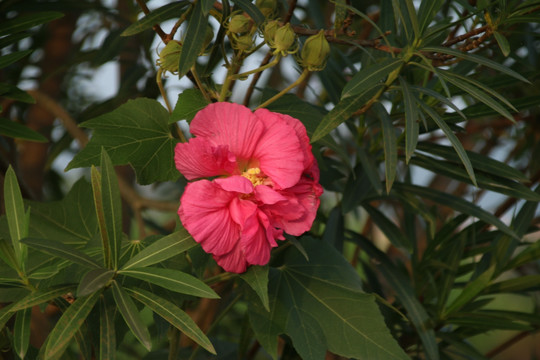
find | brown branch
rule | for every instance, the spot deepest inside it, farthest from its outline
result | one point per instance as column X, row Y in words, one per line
column 466, row 36
column 156, row 27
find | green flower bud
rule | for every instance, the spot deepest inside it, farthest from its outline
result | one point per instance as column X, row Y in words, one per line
column 170, row 56
column 240, row 24
column 244, row 42
column 315, row 52
column 269, row 31
column 285, row 40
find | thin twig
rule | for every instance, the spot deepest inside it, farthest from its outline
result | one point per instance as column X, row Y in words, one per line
column 156, row 27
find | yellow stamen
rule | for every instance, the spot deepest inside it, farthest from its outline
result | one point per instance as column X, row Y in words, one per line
column 254, row 175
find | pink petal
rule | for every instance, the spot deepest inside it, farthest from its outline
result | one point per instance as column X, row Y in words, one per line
column 278, row 151
column 267, row 195
column 229, row 124
column 235, row 183
column 204, row 212
column 258, row 239
column 234, row 261
column 198, row 158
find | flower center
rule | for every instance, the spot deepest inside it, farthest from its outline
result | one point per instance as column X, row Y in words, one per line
column 254, row 175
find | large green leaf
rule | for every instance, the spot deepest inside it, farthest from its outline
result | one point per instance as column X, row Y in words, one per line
column 166, row 12
column 193, row 39
column 174, row 315
column 137, row 133
column 68, row 325
column 173, row 280
column 320, row 305
column 369, row 77
column 71, row 220
column 19, row 131
column 189, row 102
column 162, row 249
column 24, row 22
column 131, row 315
column 257, row 278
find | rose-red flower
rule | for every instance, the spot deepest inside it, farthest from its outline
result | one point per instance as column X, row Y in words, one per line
column 264, row 181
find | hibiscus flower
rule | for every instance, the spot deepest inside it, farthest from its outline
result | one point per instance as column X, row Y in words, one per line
column 262, row 181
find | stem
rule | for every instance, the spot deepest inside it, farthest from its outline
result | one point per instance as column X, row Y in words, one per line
column 162, row 90
column 199, row 84
column 256, row 77
column 220, row 277
column 259, row 69
column 230, row 77
column 286, row 90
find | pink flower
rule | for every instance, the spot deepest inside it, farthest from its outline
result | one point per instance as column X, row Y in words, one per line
column 265, row 181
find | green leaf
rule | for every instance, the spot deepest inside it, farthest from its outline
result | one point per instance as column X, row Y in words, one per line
column 343, row 111
column 137, row 133
column 166, row 12
column 519, row 284
column 70, row 221
column 162, row 249
column 470, row 291
column 486, row 322
column 503, row 43
column 325, row 300
column 251, row 10
column 24, row 22
column 112, row 208
column 172, row 280
column 131, row 315
column 5, row 315
column 257, row 278
column 39, row 297
column 439, row 97
column 455, row 203
column 107, row 334
column 412, row 18
column 18, row 220
column 21, row 332
column 68, row 325
column 389, row 144
column 193, row 39
column 15, row 130
column 476, row 59
column 61, row 250
column 12, row 92
column 411, row 120
column 427, row 12
column 189, row 102
column 387, row 226
column 452, row 138
column 370, row 77
column 174, row 315
column 405, row 294
column 8, row 254
column 9, row 59
column 94, row 280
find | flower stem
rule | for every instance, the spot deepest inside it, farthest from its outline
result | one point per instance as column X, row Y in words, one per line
column 286, row 90
column 259, row 69
column 162, row 90
column 199, row 84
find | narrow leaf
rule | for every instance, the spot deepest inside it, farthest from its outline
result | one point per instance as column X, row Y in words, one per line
column 56, row 248
column 470, row 291
column 8, row 254
column 39, row 297
column 503, row 43
column 13, row 92
column 519, row 284
column 97, row 192
column 94, row 280
column 257, row 278
column 9, row 59
column 131, row 315
column 174, row 315
column 21, row 332
column 411, row 120
column 193, row 40
column 5, row 315
column 389, row 144
column 392, row 232
column 166, row 12
column 252, row 10
column 370, row 77
column 24, row 22
column 15, row 130
column 16, row 216
column 68, row 325
column 173, row 280
column 427, row 12
column 107, row 334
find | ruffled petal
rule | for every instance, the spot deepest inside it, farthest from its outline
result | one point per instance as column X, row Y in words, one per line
column 199, row 158
column 204, row 212
column 234, row 261
column 235, row 183
column 229, row 124
column 258, row 238
column 278, row 151
column 267, row 195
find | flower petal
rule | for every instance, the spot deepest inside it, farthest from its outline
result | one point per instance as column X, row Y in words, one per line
column 199, row 158
column 235, row 183
column 278, row 151
column 229, row 124
column 267, row 195
column 258, row 238
column 234, row 261
column 204, row 212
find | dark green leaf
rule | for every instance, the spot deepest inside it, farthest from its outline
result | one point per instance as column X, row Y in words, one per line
column 9, row 59
column 8, row 254
column 193, row 40
column 5, row 315
column 15, row 130
column 21, row 332
column 173, row 280
column 17, row 218
column 389, row 144
column 455, row 203
column 68, row 325
column 439, row 97
column 39, row 297
column 162, row 249
column 427, row 12
column 207, row 5
column 94, row 280
column 387, row 226
column 166, row 12
column 324, row 299
column 519, row 284
column 12, row 92
column 251, row 10
column 131, row 315
column 470, row 291
column 107, row 335
column 174, row 315
column 411, row 120
column 137, row 133
column 61, row 250
column 257, row 278
column 503, row 43
column 24, row 22
column 487, row 322
column 370, row 77
column 189, row 102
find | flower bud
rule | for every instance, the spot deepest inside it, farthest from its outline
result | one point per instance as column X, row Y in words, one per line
column 267, row 7
column 285, row 40
column 240, row 24
column 269, row 31
column 244, row 42
column 315, row 52
column 170, row 56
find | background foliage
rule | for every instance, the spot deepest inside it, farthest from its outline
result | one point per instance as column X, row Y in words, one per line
column 424, row 122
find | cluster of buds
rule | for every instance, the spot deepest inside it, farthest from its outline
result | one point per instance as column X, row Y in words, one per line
column 315, row 52
column 282, row 39
column 240, row 30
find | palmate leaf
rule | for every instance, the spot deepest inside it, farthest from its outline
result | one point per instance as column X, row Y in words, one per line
column 257, row 278
column 320, row 305
column 189, row 102
column 137, row 133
